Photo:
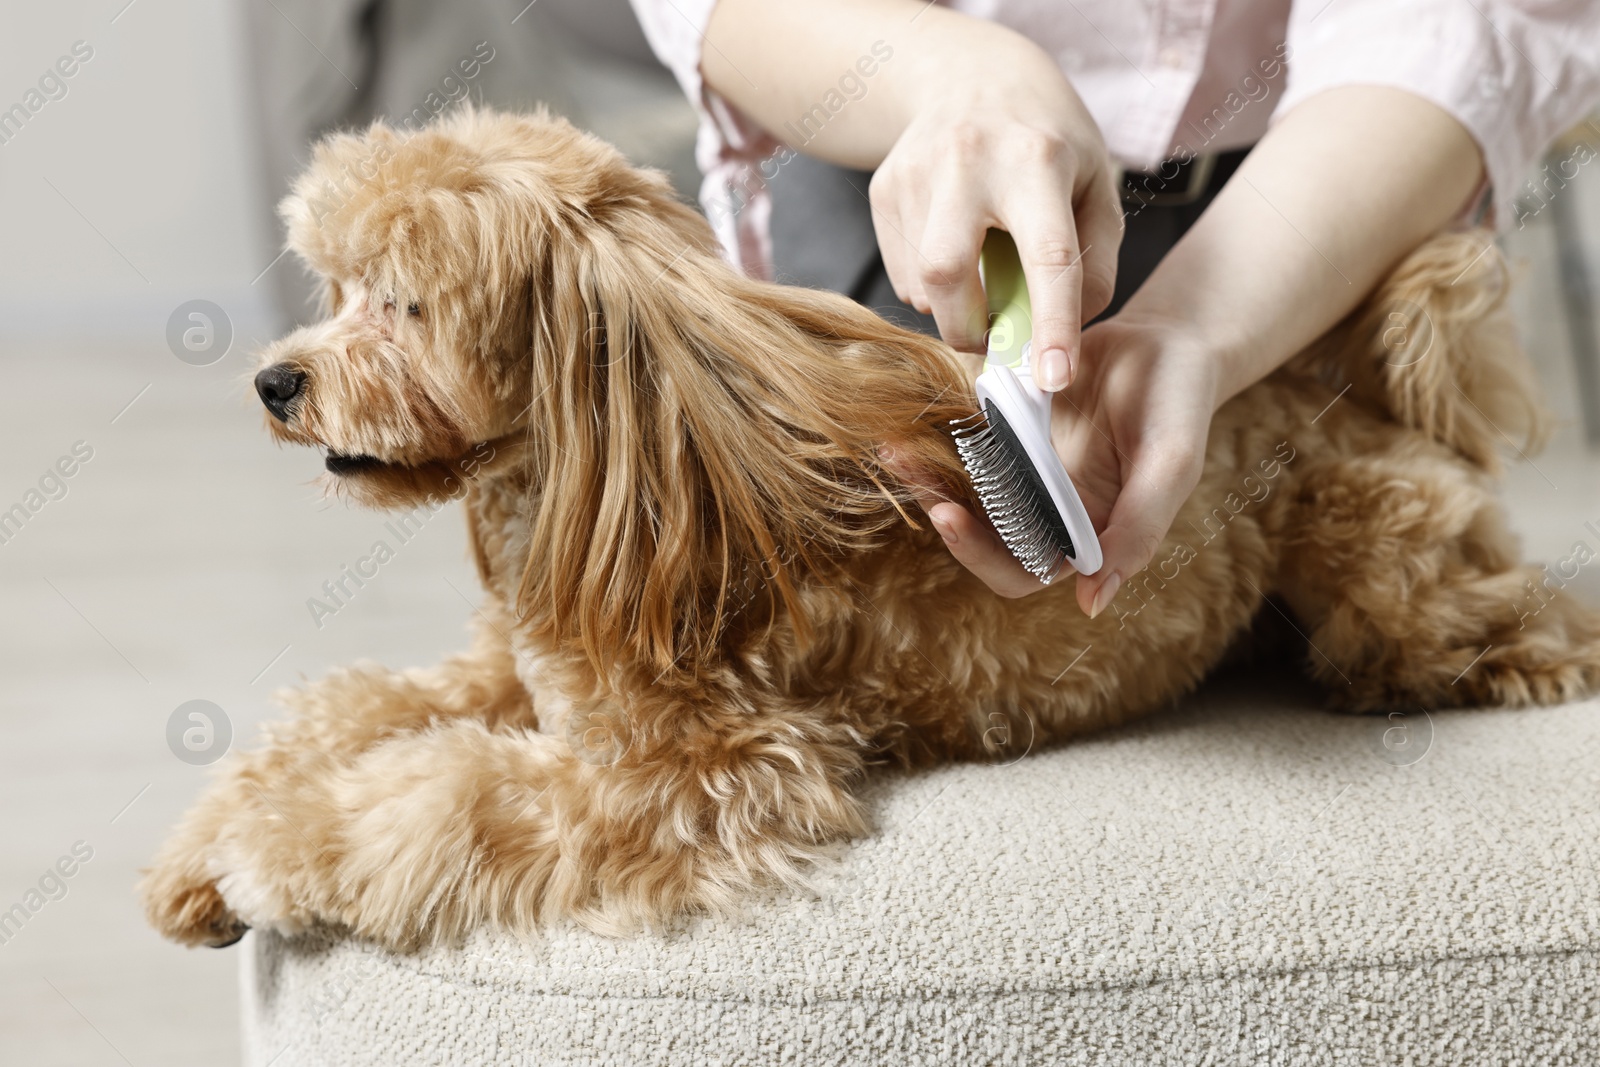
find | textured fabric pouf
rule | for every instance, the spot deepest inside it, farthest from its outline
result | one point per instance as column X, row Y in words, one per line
column 1235, row 882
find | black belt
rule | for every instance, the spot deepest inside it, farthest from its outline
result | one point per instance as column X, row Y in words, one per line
column 1175, row 184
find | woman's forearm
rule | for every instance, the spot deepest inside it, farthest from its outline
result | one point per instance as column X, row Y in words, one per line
column 1338, row 191
column 779, row 60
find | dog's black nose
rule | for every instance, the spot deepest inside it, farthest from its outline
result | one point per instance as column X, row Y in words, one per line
column 277, row 386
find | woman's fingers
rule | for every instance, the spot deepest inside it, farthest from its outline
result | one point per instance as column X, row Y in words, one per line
column 978, row 548
column 930, row 252
column 1047, row 243
column 1100, row 226
column 970, row 539
column 1144, row 511
column 949, row 269
column 897, row 251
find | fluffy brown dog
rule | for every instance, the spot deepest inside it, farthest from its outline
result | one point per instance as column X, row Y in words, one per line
column 708, row 608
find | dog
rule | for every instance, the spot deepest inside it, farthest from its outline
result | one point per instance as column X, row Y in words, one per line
column 709, row 606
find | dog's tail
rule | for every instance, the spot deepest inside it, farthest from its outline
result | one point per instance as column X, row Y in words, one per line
column 1436, row 349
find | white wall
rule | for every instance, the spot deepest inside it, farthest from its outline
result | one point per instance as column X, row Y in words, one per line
column 149, row 145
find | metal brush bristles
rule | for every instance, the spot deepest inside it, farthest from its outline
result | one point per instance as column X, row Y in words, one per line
column 1013, row 496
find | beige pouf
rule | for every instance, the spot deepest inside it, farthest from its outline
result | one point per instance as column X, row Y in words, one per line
column 1241, row 881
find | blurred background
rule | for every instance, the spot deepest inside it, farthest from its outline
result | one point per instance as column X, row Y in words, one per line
column 165, row 550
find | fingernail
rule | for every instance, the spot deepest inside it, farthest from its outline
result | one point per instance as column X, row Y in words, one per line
column 885, row 454
column 946, row 531
column 1108, row 589
column 1054, row 369
column 1072, row 366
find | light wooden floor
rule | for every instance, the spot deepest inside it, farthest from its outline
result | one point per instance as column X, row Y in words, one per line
column 177, row 567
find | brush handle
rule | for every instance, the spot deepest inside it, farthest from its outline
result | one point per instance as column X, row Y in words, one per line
column 1006, row 290
column 1005, row 287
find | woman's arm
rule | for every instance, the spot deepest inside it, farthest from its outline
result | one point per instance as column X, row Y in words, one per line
column 1336, row 193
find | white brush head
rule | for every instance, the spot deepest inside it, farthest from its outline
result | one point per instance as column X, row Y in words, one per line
column 1023, row 486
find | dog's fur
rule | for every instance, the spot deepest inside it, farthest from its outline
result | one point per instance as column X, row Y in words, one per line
column 709, row 609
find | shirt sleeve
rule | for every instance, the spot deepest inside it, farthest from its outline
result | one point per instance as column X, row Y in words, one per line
column 1515, row 73
column 730, row 147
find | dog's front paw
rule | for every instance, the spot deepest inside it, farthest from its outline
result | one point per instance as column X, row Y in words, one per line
column 189, row 910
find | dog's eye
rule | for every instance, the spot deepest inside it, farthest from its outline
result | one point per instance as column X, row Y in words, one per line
column 414, row 309
column 388, row 305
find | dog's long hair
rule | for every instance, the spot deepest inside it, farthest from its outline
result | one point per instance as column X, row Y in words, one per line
column 705, row 435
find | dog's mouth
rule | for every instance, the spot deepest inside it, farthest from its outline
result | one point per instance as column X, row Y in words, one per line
column 393, row 482
column 342, row 464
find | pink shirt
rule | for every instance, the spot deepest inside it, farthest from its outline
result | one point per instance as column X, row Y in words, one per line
column 1168, row 77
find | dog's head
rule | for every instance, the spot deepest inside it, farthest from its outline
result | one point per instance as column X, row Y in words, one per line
column 508, row 286
column 435, row 251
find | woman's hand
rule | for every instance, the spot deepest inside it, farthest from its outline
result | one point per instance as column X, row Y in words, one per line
column 1006, row 145
column 969, row 126
column 1131, row 430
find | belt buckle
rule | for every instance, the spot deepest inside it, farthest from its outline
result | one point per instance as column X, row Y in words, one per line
column 1200, row 171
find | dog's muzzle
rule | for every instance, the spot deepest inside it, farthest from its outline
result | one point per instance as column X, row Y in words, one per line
column 278, row 386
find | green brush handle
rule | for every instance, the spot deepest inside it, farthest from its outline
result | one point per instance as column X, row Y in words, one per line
column 1010, row 313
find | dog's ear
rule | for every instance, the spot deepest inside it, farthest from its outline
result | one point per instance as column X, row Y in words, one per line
column 703, row 441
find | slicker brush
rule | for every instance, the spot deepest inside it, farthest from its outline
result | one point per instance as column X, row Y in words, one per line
column 1005, row 445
